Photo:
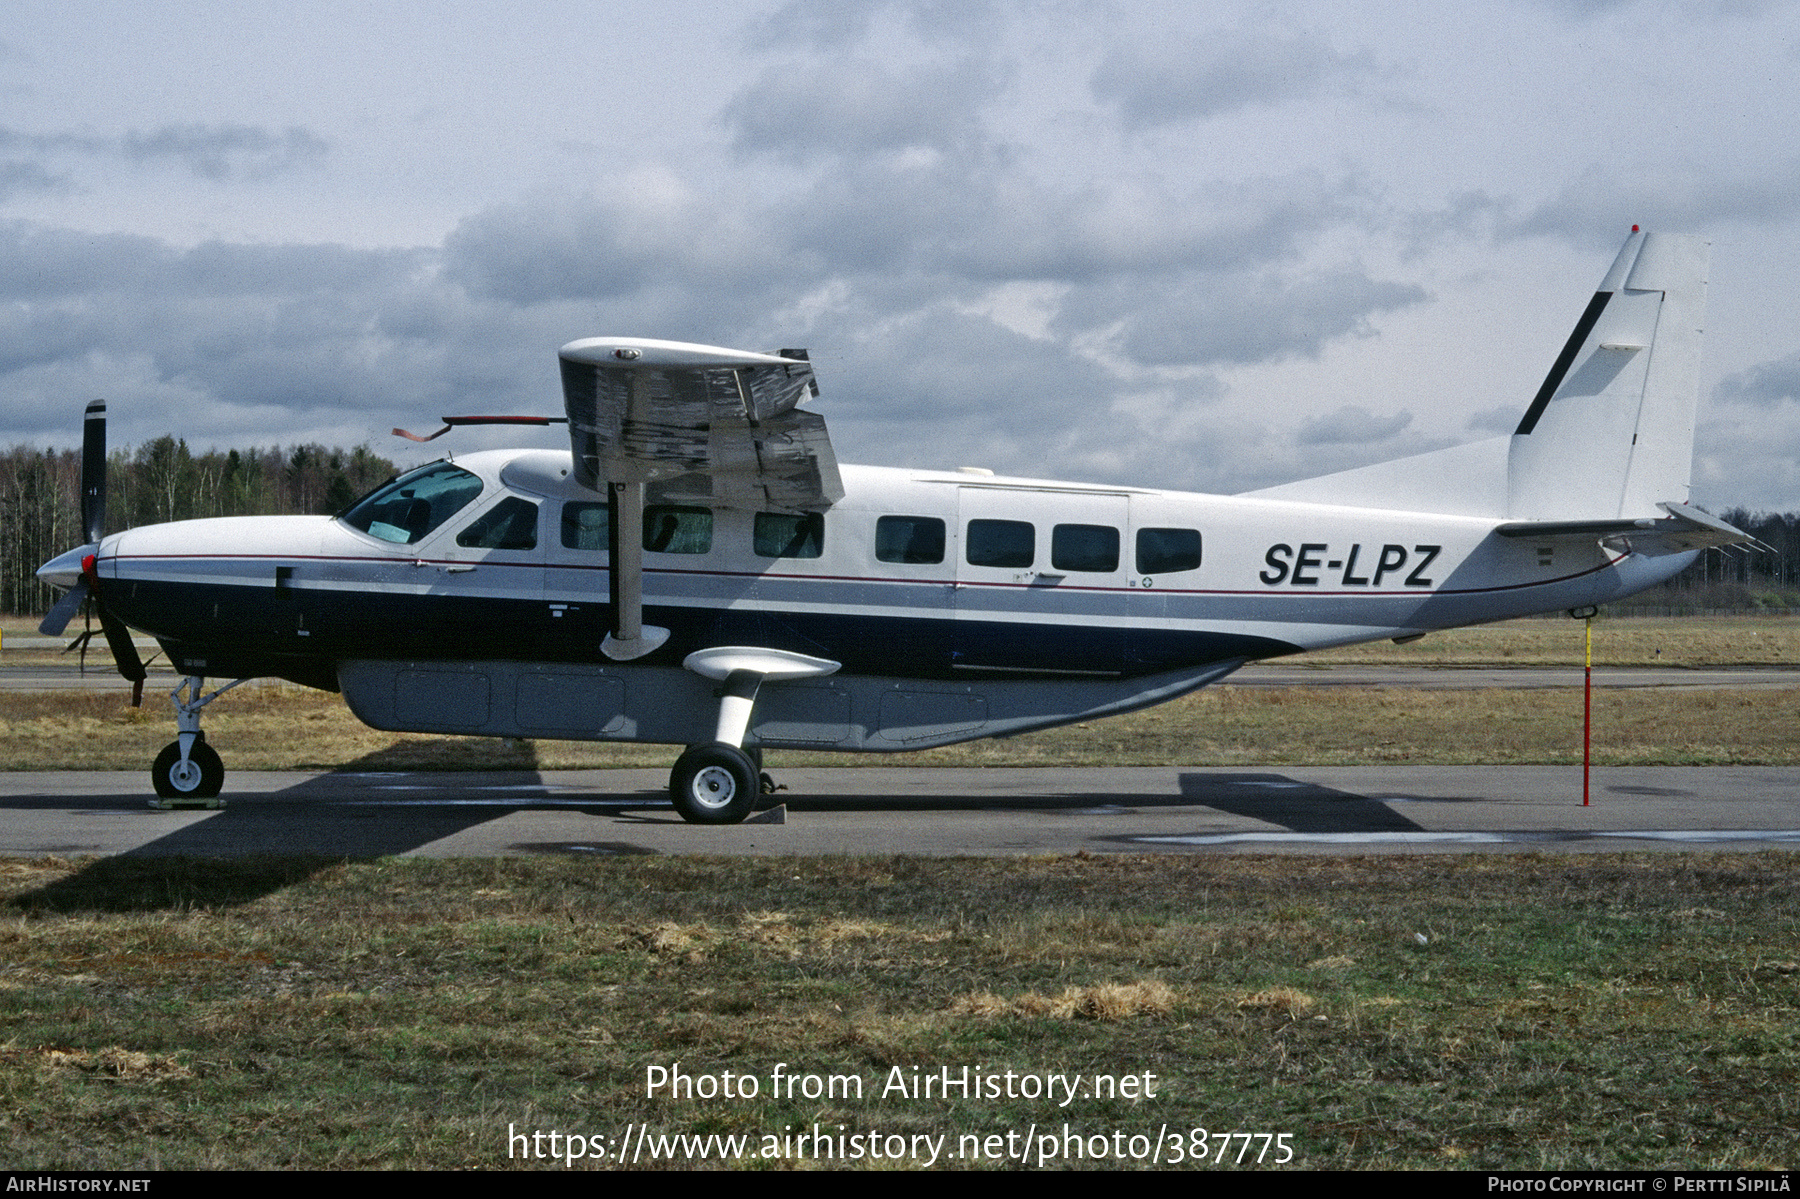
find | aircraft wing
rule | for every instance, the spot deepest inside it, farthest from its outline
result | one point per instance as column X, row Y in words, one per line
column 702, row 423
column 1685, row 527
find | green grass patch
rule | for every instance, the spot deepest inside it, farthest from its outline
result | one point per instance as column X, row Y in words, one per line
column 1480, row 1012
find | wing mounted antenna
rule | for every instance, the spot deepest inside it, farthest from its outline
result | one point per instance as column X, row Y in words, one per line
column 451, row 422
column 707, row 425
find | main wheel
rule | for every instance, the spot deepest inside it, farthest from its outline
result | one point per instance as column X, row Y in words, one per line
column 713, row 784
column 200, row 777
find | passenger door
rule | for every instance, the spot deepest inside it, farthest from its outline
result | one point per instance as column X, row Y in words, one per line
column 1041, row 578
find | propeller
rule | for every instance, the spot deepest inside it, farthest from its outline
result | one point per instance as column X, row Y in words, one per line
column 86, row 589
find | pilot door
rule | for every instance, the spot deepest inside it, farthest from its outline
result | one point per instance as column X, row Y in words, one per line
column 489, row 566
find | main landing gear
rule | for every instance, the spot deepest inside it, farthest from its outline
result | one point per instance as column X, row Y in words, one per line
column 188, row 772
column 719, row 782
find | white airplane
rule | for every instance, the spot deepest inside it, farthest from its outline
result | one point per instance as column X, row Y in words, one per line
column 699, row 571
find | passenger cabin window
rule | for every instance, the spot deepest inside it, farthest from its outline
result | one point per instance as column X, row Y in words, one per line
column 1090, row 548
column 1165, row 551
column 914, row 539
column 509, row 525
column 677, row 529
column 790, row 534
column 584, row 526
column 412, row 506
column 1000, row 543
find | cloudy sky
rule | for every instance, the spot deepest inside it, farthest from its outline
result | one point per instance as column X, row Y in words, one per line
column 1205, row 246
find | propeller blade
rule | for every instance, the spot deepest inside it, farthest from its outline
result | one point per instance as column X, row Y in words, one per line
column 93, row 472
column 64, row 610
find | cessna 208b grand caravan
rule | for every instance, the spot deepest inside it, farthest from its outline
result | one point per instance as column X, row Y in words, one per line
column 700, row 571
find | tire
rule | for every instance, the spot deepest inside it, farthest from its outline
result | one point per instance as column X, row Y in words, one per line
column 713, row 784
column 765, row 782
column 203, row 777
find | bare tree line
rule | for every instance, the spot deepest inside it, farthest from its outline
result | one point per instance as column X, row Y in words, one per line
column 1743, row 578
column 161, row 480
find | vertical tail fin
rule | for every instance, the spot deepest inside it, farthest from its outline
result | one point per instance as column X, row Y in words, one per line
column 1611, row 432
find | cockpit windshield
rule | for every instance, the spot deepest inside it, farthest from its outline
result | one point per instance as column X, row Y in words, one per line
column 410, row 507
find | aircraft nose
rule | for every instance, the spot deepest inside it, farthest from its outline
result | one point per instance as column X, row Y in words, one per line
column 64, row 570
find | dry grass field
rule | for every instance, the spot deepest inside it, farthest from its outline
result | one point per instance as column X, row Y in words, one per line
column 287, row 728
column 1562, row 1012
column 268, row 726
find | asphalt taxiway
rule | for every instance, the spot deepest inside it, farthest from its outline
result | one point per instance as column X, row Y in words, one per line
column 914, row 810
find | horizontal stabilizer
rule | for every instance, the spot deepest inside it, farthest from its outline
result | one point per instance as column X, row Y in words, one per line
column 1684, row 528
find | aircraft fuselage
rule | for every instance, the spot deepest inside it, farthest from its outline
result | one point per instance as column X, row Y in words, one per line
column 958, row 604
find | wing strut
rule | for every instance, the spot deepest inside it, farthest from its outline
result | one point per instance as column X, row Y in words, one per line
column 630, row 638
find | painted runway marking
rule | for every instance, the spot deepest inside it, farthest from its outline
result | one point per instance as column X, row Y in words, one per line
column 537, row 799
column 1716, row 836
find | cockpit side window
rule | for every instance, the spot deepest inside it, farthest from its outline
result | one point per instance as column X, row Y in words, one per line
column 412, row 506
column 509, row 525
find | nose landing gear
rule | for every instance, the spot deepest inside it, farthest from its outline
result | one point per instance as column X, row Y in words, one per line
column 188, row 772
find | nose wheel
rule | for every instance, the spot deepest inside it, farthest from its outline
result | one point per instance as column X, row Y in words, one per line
column 200, row 776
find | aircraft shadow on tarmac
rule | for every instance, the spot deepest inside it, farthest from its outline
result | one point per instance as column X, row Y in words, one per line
column 358, row 814
column 1276, row 799
column 1296, row 806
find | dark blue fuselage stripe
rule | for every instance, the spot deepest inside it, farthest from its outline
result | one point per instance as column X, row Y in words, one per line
column 258, row 625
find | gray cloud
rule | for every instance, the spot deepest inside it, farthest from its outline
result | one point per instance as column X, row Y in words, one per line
column 860, row 107
column 1605, row 202
column 219, row 152
column 1764, row 385
column 226, row 151
column 982, row 220
column 1159, row 81
column 1490, row 421
column 659, row 257
column 1235, row 318
column 1729, row 9
column 1352, row 425
column 832, row 24
column 217, row 340
column 24, row 176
